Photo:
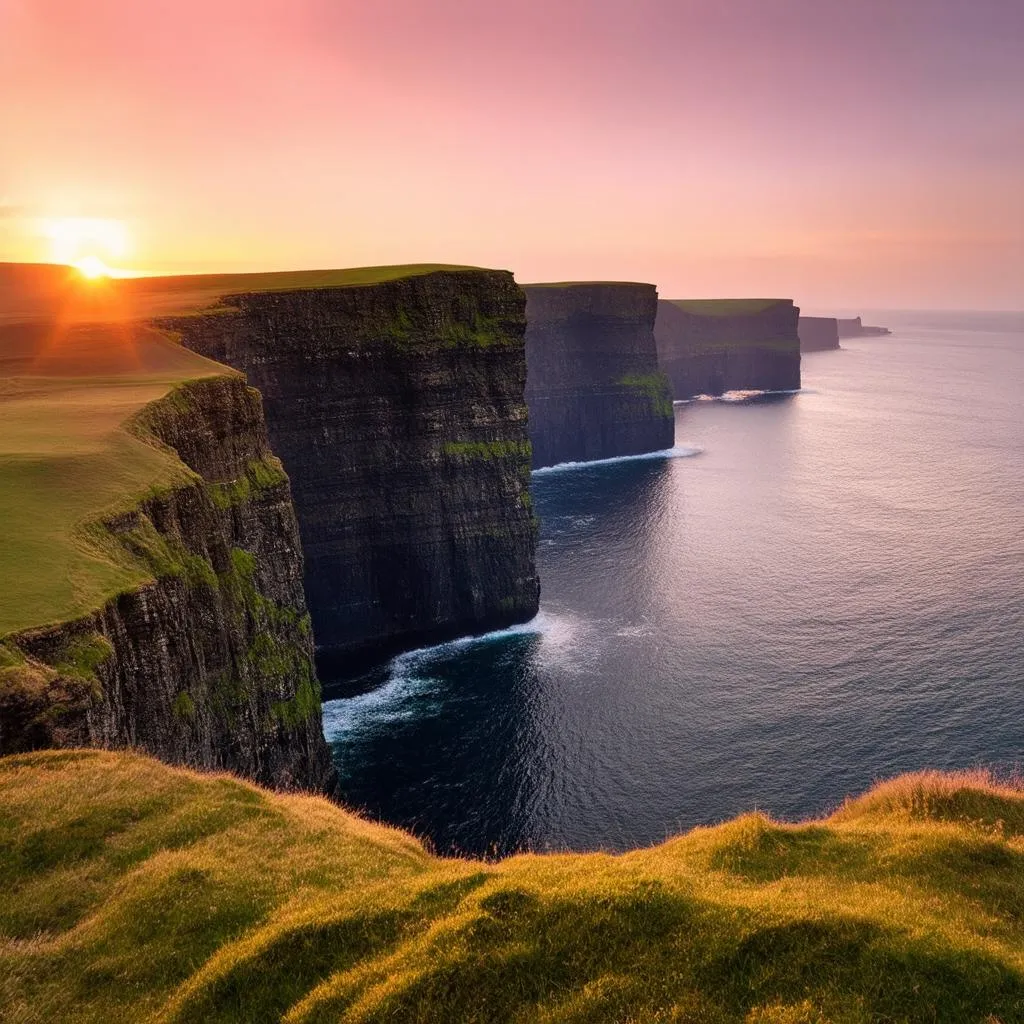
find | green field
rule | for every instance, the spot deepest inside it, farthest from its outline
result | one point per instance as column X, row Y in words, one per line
column 134, row 891
column 586, row 284
column 29, row 292
column 726, row 307
column 67, row 457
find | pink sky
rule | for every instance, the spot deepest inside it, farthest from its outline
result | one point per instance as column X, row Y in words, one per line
column 863, row 154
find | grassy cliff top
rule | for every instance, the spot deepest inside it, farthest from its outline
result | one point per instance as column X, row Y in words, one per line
column 139, row 892
column 28, row 291
column 77, row 362
column 67, row 456
column 727, row 307
column 587, row 284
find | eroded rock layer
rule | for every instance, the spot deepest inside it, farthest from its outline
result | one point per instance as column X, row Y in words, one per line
column 593, row 387
column 818, row 333
column 708, row 347
column 210, row 664
column 397, row 409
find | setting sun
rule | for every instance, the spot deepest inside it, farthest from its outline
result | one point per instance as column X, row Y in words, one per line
column 92, row 267
column 87, row 243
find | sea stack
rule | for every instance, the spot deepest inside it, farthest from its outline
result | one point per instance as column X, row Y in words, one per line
column 394, row 399
column 593, row 387
column 818, row 333
column 711, row 346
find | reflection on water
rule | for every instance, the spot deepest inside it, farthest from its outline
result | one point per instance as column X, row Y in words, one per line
column 829, row 593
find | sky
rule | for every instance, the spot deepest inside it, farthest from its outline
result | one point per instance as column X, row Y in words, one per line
column 863, row 154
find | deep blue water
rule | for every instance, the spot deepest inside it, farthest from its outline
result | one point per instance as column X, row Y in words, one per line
column 830, row 592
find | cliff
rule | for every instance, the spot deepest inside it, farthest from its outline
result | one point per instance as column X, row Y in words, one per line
column 174, row 622
column 593, row 386
column 818, row 333
column 853, row 328
column 138, row 892
column 396, row 405
column 713, row 346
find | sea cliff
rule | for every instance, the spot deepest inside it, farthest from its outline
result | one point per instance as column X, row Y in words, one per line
column 593, row 386
column 818, row 333
column 853, row 328
column 713, row 346
column 203, row 656
column 396, row 406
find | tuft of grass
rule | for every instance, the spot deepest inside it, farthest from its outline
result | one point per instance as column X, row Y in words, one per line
column 485, row 450
column 656, row 388
column 150, row 893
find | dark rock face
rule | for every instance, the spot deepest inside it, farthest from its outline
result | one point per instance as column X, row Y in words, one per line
column 398, row 412
column 853, row 328
column 593, row 385
column 818, row 333
column 211, row 665
column 708, row 348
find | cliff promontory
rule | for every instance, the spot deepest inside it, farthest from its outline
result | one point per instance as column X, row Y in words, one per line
column 853, row 328
column 394, row 398
column 593, row 386
column 818, row 333
column 153, row 576
column 708, row 347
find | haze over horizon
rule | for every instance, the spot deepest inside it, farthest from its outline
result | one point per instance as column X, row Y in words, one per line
column 865, row 155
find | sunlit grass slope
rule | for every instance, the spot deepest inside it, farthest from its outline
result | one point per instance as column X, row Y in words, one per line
column 28, row 291
column 134, row 891
column 68, row 456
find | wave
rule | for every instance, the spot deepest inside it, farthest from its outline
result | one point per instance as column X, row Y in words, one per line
column 678, row 452
column 410, row 680
column 749, row 395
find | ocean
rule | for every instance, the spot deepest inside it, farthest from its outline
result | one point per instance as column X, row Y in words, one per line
column 809, row 593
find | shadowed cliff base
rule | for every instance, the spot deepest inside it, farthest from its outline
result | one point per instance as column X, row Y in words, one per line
column 711, row 346
column 396, row 406
column 174, row 896
column 593, row 386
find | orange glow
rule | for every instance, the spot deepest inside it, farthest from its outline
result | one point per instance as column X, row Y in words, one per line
column 86, row 243
column 92, row 267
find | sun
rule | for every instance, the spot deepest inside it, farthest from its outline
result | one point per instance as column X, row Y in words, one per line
column 90, row 244
column 92, row 267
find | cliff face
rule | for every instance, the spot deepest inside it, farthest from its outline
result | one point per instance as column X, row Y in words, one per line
column 728, row 345
column 593, row 385
column 397, row 409
column 853, row 328
column 210, row 664
column 818, row 333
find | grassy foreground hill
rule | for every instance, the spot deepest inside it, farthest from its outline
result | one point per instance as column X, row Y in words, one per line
column 134, row 891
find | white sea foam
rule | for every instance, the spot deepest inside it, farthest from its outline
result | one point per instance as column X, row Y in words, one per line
column 744, row 395
column 410, row 679
column 678, row 452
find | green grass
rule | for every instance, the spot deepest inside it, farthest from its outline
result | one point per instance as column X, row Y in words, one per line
column 140, row 892
column 587, row 284
column 142, row 298
column 726, row 307
column 68, row 456
column 656, row 388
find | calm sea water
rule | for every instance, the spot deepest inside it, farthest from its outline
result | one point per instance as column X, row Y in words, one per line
column 814, row 592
